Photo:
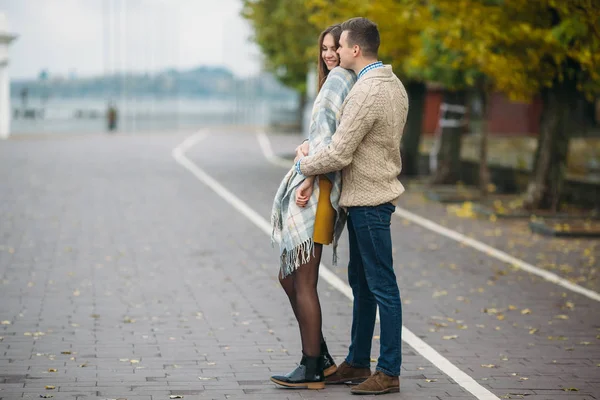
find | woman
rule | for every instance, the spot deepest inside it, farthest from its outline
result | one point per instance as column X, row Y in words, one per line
column 306, row 219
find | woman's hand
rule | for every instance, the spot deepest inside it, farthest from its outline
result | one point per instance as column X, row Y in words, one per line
column 301, row 151
column 304, row 191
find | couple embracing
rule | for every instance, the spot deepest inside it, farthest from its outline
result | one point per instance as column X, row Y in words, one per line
column 346, row 173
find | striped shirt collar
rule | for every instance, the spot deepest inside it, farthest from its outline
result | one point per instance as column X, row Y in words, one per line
column 376, row 64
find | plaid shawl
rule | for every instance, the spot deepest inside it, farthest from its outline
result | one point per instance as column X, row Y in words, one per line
column 293, row 226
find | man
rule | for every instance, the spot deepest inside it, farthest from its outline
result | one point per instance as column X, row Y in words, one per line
column 366, row 147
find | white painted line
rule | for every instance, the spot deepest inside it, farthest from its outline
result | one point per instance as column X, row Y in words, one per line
column 410, row 338
column 493, row 252
column 477, row 245
column 265, row 145
column 446, row 366
column 179, row 155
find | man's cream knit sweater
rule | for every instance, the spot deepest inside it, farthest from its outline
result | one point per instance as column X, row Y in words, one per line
column 366, row 144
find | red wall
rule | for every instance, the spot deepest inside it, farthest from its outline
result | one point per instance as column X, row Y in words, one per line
column 432, row 110
column 511, row 118
column 505, row 117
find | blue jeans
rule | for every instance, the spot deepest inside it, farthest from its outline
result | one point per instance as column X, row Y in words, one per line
column 373, row 281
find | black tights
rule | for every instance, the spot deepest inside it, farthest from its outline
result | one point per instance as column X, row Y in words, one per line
column 301, row 289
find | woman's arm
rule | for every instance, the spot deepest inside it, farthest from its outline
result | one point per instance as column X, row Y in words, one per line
column 304, row 191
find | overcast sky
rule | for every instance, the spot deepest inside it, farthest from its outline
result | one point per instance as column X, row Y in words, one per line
column 88, row 37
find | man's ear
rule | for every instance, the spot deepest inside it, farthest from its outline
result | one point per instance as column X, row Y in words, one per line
column 355, row 49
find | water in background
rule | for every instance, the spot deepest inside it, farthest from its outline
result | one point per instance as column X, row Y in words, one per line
column 88, row 115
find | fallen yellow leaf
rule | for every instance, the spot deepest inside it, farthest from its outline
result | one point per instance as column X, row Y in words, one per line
column 532, row 331
column 561, row 316
column 52, row 370
column 488, row 365
column 50, row 387
column 526, row 311
column 449, row 337
column 430, row 380
column 570, row 305
column 572, row 389
column 512, row 308
column 5, row 322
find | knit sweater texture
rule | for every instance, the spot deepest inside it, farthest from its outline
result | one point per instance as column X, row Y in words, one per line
column 366, row 144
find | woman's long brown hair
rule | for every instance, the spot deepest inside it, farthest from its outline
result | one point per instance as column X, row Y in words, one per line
column 336, row 32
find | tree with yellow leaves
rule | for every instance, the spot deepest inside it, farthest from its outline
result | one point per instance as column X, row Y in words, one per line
column 526, row 48
column 287, row 39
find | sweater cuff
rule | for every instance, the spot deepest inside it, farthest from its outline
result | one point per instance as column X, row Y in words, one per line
column 297, row 167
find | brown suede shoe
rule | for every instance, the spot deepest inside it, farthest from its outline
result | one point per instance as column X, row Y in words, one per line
column 347, row 374
column 378, row 383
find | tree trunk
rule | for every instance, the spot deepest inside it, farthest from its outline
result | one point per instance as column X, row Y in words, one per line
column 484, row 170
column 411, row 138
column 546, row 182
column 452, row 114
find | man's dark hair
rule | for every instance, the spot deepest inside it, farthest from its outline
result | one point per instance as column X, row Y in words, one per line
column 364, row 33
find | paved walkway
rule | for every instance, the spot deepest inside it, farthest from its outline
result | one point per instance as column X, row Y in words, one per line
column 124, row 276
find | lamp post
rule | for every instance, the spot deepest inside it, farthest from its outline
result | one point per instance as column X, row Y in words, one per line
column 5, row 39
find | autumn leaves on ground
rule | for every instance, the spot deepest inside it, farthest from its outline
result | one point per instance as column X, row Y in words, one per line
column 576, row 259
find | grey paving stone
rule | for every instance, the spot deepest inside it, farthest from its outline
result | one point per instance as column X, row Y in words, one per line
column 113, row 251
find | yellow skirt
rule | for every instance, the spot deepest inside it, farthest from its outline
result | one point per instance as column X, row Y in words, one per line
column 325, row 216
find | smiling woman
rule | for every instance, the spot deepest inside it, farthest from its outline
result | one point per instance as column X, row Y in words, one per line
column 329, row 41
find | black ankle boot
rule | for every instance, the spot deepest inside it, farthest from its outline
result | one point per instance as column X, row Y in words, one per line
column 329, row 367
column 308, row 375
